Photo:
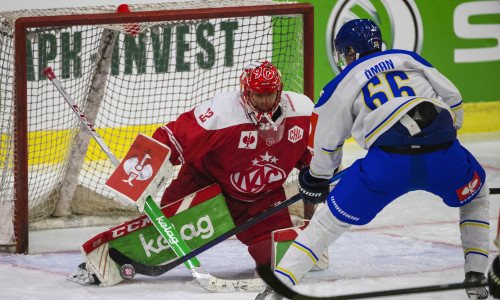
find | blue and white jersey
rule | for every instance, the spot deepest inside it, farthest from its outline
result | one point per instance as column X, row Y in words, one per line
column 369, row 96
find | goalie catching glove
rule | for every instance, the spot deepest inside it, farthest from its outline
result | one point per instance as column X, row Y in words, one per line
column 313, row 190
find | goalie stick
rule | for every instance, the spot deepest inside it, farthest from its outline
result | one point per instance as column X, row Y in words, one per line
column 149, row 270
column 159, row 220
column 268, row 276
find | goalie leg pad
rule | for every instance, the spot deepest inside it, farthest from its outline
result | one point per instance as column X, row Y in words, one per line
column 102, row 266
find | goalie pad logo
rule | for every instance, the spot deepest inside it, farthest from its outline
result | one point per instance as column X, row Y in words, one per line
column 136, row 170
column 470, row 189
column 202, row 229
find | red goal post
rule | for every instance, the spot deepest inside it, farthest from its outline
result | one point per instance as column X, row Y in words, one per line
column 126, row 84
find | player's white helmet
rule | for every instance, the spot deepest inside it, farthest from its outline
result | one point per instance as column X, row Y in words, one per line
column 261, row 89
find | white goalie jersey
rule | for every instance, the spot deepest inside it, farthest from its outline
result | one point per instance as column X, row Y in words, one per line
column 371, row 95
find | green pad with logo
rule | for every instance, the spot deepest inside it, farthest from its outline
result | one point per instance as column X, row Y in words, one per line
column 198, row 225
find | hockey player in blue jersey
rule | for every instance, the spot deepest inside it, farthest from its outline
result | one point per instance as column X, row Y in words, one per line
column 406, row 114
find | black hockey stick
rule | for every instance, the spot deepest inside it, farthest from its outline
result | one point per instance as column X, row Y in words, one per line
column 149, row 270
column 495, row 191
column 268, row 276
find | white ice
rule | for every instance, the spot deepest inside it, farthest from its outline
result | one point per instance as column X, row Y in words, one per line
column 414, row 242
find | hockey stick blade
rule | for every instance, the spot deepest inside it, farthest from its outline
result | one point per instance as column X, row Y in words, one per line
column 495, row 191
column 149, row 270
column 268, row 276
column 212, row 284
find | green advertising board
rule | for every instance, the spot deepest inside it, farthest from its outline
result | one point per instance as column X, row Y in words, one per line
column 460, row 38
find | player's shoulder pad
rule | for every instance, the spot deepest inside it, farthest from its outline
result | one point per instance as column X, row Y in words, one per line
column 297, row 104
column 222, row 111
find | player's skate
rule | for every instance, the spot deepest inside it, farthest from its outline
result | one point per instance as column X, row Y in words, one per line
column 477, row 292
column 83, row 276
column 268, row 294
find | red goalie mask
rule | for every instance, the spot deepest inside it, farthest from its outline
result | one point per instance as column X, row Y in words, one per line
column 261, row 88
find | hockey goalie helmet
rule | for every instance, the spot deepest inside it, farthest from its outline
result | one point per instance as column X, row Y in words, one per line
column 355, row 39
column 261, row 89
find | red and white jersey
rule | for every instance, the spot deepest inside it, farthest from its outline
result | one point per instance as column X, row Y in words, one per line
column 219, row 140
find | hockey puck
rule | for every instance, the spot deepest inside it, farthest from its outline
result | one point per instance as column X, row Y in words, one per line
column 127, row 271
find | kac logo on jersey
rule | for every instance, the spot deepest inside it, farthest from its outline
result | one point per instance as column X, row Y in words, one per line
column 248, row 140
column 470, row 189
column 295, row 134
column 257, row 177
column 136, row 170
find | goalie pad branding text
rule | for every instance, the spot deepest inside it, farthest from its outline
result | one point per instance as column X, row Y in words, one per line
column 130, row 227
column 204, row 229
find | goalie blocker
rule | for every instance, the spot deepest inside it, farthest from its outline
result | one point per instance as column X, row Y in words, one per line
column 142, row 173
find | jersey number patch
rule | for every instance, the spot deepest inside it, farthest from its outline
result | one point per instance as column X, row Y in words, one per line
column 378, row 91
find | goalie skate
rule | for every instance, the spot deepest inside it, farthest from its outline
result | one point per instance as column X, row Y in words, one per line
column 83, row 276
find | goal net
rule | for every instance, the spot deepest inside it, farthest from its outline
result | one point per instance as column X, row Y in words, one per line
column 130, row 73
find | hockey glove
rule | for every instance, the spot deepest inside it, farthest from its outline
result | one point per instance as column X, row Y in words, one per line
column 494, row 278
column 312, row 190
column 476, row 292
